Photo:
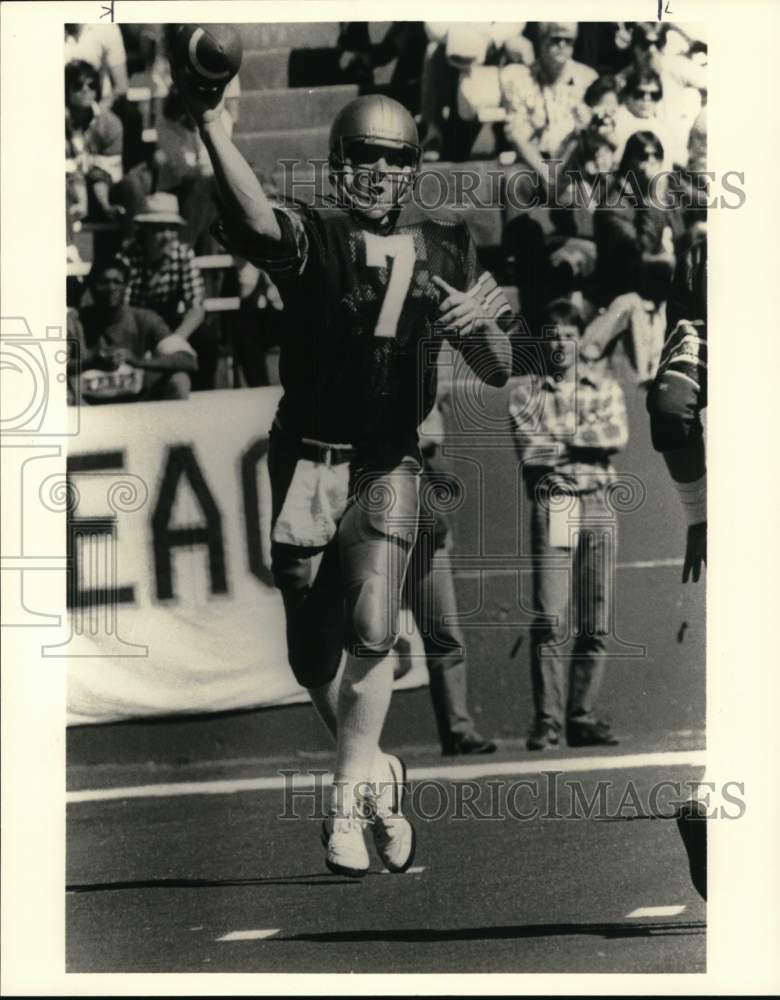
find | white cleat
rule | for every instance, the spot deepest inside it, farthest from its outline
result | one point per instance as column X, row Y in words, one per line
column 345, row 846
column 394, row 836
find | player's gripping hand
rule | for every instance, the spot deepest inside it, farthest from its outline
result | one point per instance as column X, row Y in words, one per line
column 201, row 102
column 458, row 311
column 695, row 552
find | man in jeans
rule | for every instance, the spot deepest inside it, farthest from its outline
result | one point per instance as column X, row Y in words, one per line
column 430, row 593
column 568, row 420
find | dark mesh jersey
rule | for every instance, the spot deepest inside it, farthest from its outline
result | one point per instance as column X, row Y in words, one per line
column 359, row 349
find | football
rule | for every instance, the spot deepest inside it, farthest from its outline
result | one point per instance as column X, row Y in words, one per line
column 211, row 53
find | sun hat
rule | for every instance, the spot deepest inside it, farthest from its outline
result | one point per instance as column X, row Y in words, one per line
column 160, row 207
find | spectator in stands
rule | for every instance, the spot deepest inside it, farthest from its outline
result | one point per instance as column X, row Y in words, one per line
column 641, row 108
column 125, row 354
column 674, row 54
column 164, row 277
column 404, row 41
column 636, row 235
column 566, row 477
column 601, row 98
column 456, row 53
column 636, row 239
column 102, row 47
column 93, row 144
column 544, row 102
column 679, row 62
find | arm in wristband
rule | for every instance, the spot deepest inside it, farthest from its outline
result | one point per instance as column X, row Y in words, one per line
column 693, row 497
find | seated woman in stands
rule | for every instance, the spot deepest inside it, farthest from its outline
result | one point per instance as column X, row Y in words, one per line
column 93, row 145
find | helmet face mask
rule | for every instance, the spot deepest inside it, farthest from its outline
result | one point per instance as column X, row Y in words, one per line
column 374, row 155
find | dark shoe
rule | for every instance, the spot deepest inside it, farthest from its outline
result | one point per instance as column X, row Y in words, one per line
column 580, row 733
column 543, row 736
column 467, row 743
column 692, row 823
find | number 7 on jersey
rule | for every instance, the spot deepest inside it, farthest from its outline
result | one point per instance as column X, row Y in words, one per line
column 399, row 251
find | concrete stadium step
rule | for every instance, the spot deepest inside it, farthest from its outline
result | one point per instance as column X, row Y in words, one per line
column 265, row 70
column 288, row 35
column 272, row 110
column 263, row 150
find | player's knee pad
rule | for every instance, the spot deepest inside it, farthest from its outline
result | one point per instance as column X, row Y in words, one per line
column 373, row 610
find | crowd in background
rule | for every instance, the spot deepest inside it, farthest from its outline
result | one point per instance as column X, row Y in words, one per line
column 602, row 101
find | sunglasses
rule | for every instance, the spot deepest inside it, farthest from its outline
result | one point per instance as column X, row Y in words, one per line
column 364, row 154
column 560, row 40
column 84, row 85
column 643, row 93
column 650, row 154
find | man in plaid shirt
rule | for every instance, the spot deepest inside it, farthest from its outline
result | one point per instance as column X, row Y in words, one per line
column 568, row 420
column 164, row 277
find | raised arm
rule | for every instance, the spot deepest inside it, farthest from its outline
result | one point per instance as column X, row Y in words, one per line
column 246, row 204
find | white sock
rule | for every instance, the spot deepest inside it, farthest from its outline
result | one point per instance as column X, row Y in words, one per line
column 364, row 699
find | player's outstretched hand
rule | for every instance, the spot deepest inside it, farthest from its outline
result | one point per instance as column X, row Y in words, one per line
column 695, row 552
column 458, row 310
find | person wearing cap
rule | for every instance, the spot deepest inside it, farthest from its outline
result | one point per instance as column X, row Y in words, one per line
column 543, row 101
column 164, row 277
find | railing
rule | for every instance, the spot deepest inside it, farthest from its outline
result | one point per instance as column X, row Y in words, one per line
column 213, row 261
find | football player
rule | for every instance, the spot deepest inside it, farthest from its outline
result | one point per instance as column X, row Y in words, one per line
column 370, row 283
column 676, row 400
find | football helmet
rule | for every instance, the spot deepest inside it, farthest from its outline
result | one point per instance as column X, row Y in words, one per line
column 364, row 131
column 374, row 120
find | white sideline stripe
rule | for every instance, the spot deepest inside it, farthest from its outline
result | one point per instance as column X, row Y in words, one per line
column 229, row 786
column 496, row 570
column 655, row 911
column 409, row 871
column 259, row 935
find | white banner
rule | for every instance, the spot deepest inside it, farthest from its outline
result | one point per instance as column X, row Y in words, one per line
column 169, row 508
